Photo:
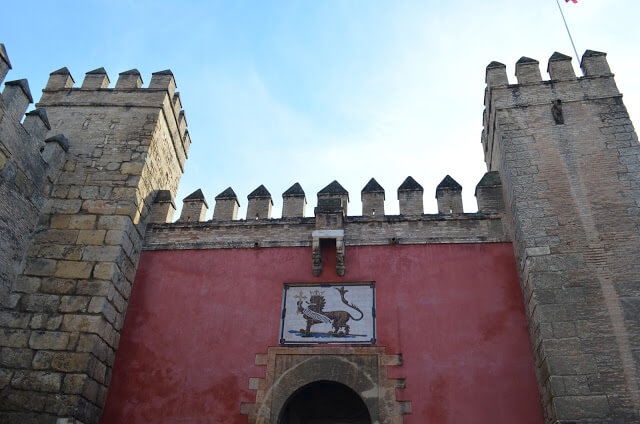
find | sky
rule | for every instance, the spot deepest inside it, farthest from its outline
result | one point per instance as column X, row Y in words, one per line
column 278, row 92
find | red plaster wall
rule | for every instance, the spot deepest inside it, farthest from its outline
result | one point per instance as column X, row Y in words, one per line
column 197, row 318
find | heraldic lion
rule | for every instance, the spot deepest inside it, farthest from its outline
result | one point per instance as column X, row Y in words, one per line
column 314, row 313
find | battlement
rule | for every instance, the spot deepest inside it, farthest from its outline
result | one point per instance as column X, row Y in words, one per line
column 567, row 154
column 293, row 229
column 127, row 92
column 563, row 88
column 78, row 176
column 29, row 164
column 260, row 202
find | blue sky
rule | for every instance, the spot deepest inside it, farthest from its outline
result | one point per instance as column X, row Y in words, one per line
column 278, row 92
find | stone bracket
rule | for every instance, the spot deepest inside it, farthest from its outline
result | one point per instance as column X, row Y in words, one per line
column 316, row 252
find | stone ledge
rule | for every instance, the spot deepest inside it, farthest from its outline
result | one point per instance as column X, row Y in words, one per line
column 297, row 232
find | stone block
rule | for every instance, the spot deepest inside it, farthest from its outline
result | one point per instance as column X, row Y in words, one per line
column 99, row 207
column 5, row 378
column 83, row 323
column 65, row 206
column 580, row 407
column 26, row 284
column 82, row 222
column 91, row 237
column 94, row 287
column 115, row 237
column 132, row 168
column 62, row 405
column 70, row 362
column 572, row 365
column 40, row 267
column 74, row 383
column 89, row 192
column 96, row 346
column 91, row 390
column 58, row 251
column 73, row 269
column 73, row 303
column 114, row 222
column 47, row 303
column 60, row 236
column 42, row 360
column 100, row 305
column 57, row 286
column 28, row 401
column 48, row 340
column 45, row 321
column 37, row 380
column 105, row 270
column 13, row 319
column 12, row 357
column 102, row 253
column 97, row 370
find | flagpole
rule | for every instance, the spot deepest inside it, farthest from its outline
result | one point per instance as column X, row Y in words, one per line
column 568, row 32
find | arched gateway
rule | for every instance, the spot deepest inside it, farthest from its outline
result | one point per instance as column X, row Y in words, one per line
column 346, row 385
column 325, row 402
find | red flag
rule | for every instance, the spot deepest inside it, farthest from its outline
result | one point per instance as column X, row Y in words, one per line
column 567, row 1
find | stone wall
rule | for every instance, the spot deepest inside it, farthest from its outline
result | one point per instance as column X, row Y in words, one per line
column 569, row 159
column 125, row 144
column 358, row 231
column 28, row 167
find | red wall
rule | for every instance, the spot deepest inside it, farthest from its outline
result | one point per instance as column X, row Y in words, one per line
column 197, row 318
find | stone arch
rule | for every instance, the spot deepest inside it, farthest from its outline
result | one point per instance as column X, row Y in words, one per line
column 361, row 369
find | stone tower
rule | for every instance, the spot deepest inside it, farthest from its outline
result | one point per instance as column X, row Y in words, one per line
column 569, row 162
column 63, row 315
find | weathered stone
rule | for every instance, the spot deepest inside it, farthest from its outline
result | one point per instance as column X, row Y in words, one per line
column 581, row 407
column 14, row 319
column 102, row 253
column 74, row 383
column 73, row 269
column 73, row 303
column 82, row 222
column 94, row 287
column 5, row 377
column 70, row 362
column 47, row 303
column 100, row 305
column 83, row 323
column 57, row 286
column 91, row 237
column 45, row 321
column 575, row 224
column 42, row 360
column 48, row 340
column 114, row 222
column 36, row 380
column 25, row 284
column 40, row 267
column 15, row 357
column 132, row 168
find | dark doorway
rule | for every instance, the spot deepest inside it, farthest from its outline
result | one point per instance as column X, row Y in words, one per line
column 324, row 402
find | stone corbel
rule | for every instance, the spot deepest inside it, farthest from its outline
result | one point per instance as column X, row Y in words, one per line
column 340, row 265
column 316, row 254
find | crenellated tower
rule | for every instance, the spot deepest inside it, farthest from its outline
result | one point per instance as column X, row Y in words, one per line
column 30, row 163
column 125, row 145
column 568, row 158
